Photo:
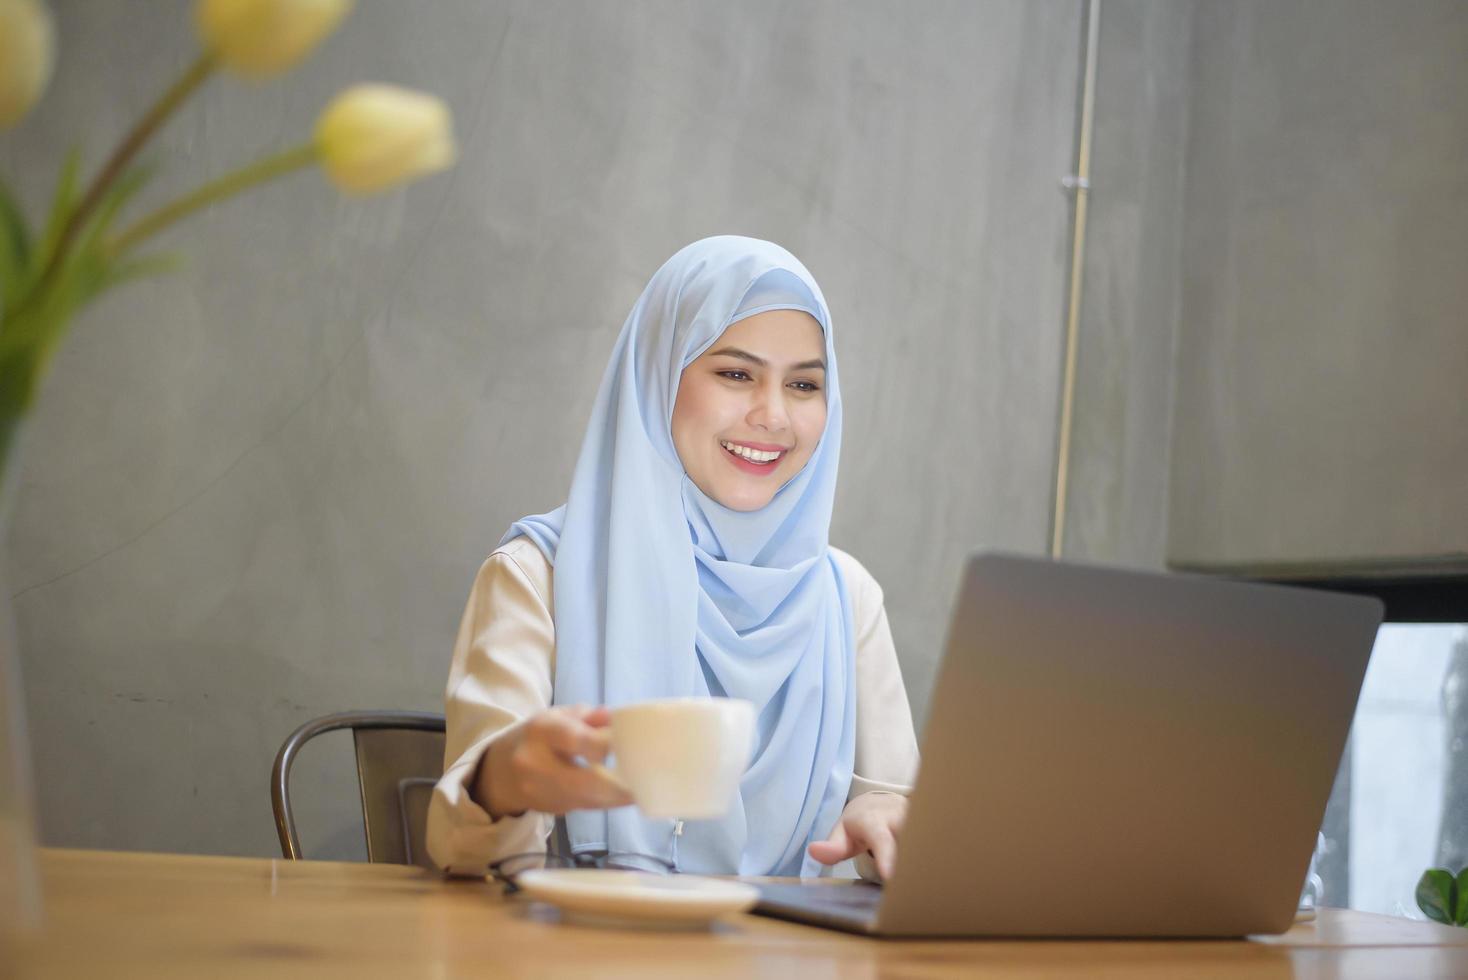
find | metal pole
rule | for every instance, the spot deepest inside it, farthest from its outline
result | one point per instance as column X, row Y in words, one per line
column 1078, row 184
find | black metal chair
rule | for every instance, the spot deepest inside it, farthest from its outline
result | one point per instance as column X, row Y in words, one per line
column 399, row 759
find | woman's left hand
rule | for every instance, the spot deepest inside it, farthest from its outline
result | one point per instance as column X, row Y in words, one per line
column 870, row 822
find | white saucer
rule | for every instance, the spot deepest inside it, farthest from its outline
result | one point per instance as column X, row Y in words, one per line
column 676, row 899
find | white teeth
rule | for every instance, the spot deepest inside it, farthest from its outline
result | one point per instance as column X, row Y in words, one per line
column 753, row 455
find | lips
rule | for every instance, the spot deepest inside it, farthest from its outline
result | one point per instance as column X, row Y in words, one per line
column 764, row 447
column 757, row 467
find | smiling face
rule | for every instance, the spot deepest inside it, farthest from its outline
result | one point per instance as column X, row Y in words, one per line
column 751, row 409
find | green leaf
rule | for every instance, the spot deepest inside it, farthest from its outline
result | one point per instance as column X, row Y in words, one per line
column 87, row 267
column 32, row 339
column 112, row 201
column 1437, row 895
column 15, row 249
column 120, row 271
column 1460, row 908
column 116, row 196
column 63, row 201
column 34, row 328
column 20, row 371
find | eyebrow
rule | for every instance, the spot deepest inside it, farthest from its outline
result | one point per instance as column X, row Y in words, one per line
column 745, row 355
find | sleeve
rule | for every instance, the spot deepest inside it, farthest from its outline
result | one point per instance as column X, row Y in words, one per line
column 501, row 674
column 886, row 744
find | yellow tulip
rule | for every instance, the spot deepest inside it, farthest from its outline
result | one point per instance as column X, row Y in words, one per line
column 27, row 52
column 373, row 136
column 260, row 38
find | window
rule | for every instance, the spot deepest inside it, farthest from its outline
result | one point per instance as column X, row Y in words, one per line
column 1400, row 804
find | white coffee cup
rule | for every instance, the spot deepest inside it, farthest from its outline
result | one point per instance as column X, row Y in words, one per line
column 682, row 758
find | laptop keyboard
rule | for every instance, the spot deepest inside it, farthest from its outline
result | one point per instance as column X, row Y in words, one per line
column 855, row 898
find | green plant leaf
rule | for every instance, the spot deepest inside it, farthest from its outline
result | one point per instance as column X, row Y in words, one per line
column 19, row 376
column 120, row 271
column 91, row 255
column 38, row 311
column 1437, row 894
column 62, row 202
column 116, row 196
column 32, row 339
column 1460, row 907
column 85, row 268
column 15, row 249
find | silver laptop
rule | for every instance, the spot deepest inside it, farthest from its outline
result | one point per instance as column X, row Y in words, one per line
column 1116, row 753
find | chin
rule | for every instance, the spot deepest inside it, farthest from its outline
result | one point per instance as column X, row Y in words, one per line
column 742, row 502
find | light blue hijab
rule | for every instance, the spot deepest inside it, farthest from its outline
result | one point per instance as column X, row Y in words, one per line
column 662, row 592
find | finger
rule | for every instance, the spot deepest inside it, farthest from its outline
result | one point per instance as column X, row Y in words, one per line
column 883, row 848
column 827, row 853
column 595, row 715
column 598, row 717
column 570, row 737
column 594, row 744
column 839, row 836
column 838, row 847
column 899, row 816
column 589, row 788
column 872, row 834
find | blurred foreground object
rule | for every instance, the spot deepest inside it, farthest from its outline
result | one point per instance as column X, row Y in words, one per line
column 27, row 52
column 374, row 136
column 369, row 139
column 261, row 38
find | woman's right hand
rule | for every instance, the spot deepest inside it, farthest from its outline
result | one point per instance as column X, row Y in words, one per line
column 533, row 766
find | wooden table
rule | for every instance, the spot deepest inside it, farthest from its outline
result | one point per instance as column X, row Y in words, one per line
column 122, row 915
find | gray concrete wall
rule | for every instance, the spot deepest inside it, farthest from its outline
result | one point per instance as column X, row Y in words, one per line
column 257, row 491
column 1323, row 351
column 1130, row 293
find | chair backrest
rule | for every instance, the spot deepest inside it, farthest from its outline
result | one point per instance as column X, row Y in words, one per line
column 399, row 758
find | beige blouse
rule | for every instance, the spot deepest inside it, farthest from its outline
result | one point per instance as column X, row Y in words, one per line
column 502, row 671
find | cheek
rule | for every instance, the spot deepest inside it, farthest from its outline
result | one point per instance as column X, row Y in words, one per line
column 695, row 416
column 810, row 426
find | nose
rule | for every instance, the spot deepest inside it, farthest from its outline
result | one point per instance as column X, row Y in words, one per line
column 768, row 411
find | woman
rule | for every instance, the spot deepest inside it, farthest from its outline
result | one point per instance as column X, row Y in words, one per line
column 690, row 559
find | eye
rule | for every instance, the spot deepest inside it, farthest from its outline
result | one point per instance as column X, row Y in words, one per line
column 808, row 387
column 742, row 376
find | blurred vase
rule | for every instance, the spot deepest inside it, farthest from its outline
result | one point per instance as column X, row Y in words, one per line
column 20, row 892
